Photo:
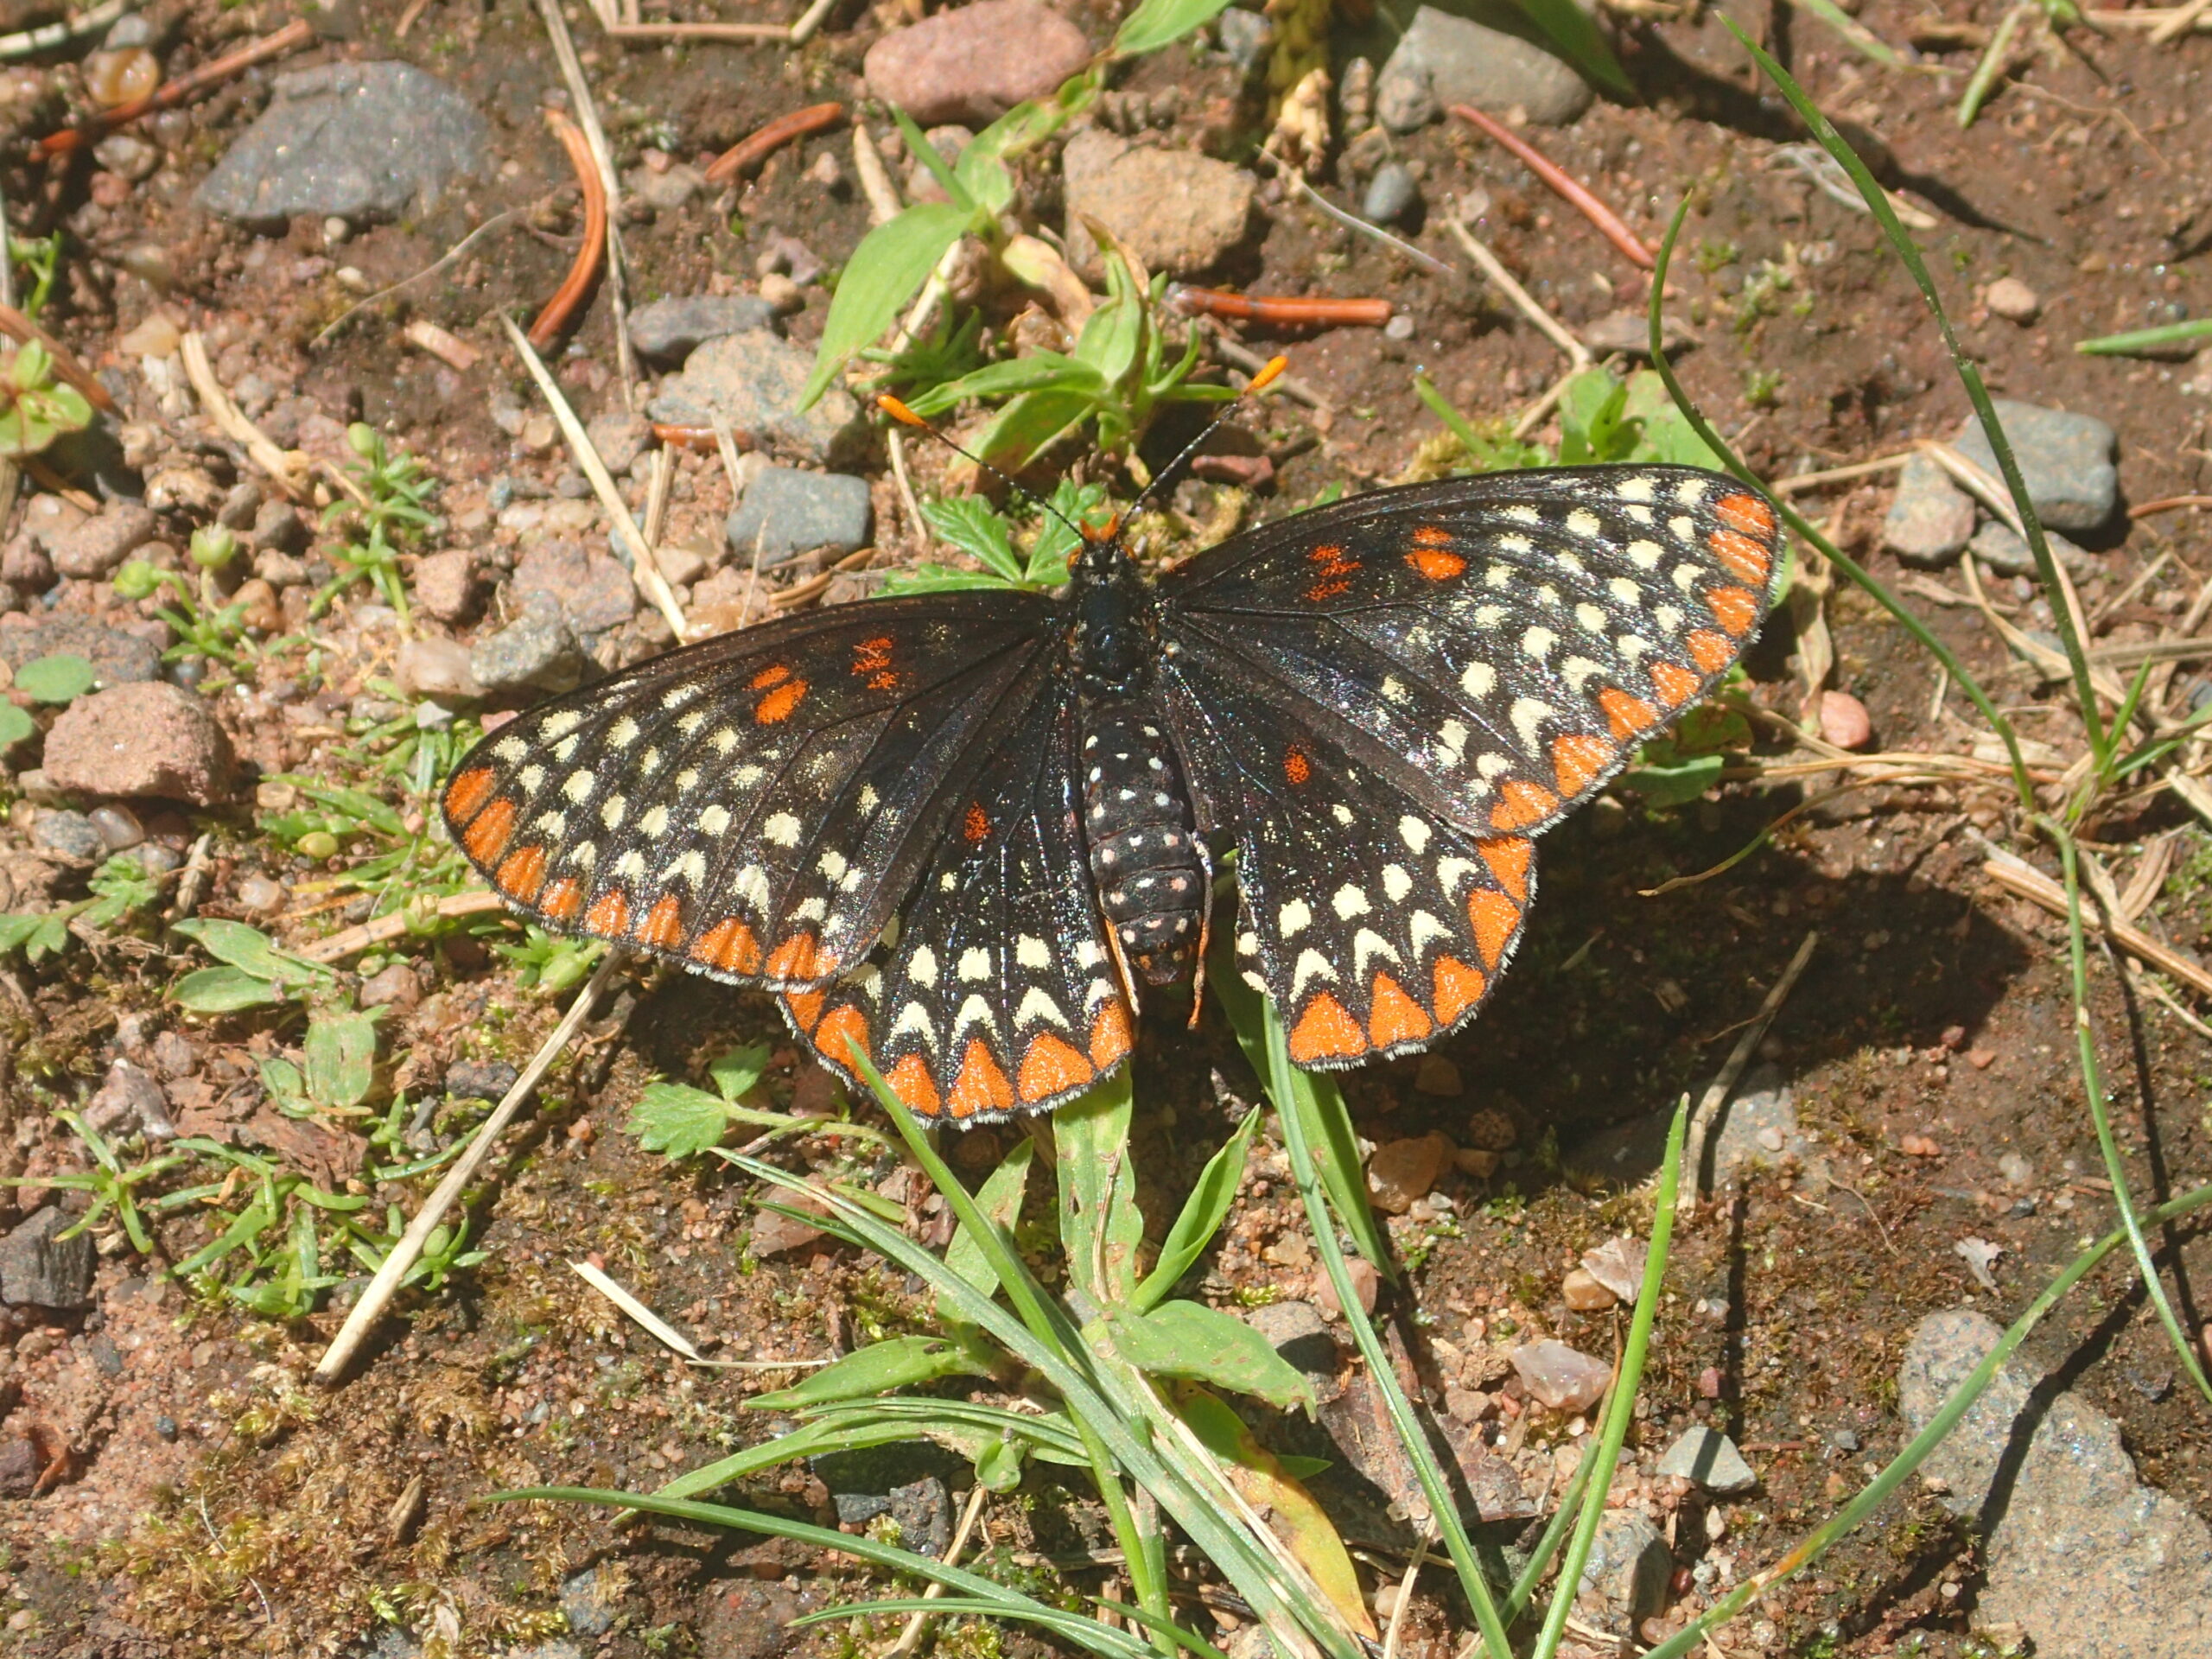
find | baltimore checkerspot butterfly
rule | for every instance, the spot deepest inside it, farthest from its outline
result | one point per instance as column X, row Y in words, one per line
column 959, row 831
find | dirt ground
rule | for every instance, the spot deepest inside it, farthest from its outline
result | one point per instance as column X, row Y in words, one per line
column 195, row 1494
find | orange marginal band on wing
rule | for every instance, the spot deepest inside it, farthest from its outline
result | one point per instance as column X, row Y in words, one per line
column 981, row 1084
column 1747, row 513
column 1109, row 1035
column 1711, row 651
column 487, row 837
column 663, row 925
column 1627, row 715
column 1458, row 987
column 562, row 900
column 1508, row 858
column 911, row 1081
column 843, row 1029
column 1325, row 1030
column 1395, row 1017
column 1050, row 1067
column 794, row 958
column 1742, row 554
column 1676, row 684
column 1524, row 803
column 609, row 915
column 1494, row 917
column 521, row 873
column 730, row 945
column 468, row 791
column 806, row 1008
column 1579, row 757
column 1737, row 609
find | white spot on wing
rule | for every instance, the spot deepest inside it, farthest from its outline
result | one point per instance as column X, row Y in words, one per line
column 975, row 963
column 1396, row 882
column 1414, row 832
column 1295, row 918
column 782, row 829
column 1477, row 679
column 1032, row 952
column 921, row 967
column 1311, row 964
column 1350, row 901
column 1037, row 1004
column 1528, row 714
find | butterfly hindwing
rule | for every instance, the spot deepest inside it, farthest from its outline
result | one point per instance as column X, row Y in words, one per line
column 1494, row 647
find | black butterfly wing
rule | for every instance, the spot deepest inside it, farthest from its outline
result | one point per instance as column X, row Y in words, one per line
column 993, row 990
column 753, row 807
column 1375, row 926
column 1494, row 646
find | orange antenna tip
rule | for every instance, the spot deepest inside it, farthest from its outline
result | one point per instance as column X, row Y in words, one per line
column 899, row 411
column 1267, row 376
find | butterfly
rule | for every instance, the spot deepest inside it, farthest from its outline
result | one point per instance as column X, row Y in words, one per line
column 962, row 832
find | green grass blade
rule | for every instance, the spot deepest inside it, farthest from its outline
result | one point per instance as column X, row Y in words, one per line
column 1568, row 27
column 1201, row 1217
column 1984, row 79
column 828, row 1435
column 1556, row 1531
column 2160, row 339
column 1100, row 1226
column 1861, row 38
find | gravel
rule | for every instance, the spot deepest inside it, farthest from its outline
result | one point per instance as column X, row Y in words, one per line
column 668, row 331
column 536, row 652
column 974, row 63
column 1710, row 1458
column 119, row 658
column 753, row 381
column 1561, row 1377
column 1496, row 65
column 67, row 835
column 1392, row 195
column 591, row 589
column 785, row 512
column 98, row 546
column 1625, row 1577
column 1930, row 518
column 130, row 1102
column 1401, row 1171
column 150, row 739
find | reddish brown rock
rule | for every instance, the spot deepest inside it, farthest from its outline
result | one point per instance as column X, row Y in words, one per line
column 973, row 64
column 146, row 739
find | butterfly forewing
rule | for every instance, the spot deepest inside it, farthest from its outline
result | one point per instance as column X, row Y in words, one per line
column 752, row 807
column 993, row 990
column 1499, row 644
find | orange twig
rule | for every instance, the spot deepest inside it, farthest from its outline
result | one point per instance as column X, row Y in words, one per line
column 743, row 157
column 692, row 437
column 20, row 329
column 1607, row 221
column 92, row 129
column 1289, row 310
column 558, row 309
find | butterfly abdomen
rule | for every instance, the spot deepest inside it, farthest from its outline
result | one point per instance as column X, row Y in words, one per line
column 1145, row 857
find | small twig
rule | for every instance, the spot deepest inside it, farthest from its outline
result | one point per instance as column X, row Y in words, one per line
column 2178, row 22
column 656, row 493
column 815, row 587
column 196, row 866
column 30, row 41
column 1738, row 1058
column 408, row 17
column 2169, row 504
column 659, row 1329
column 1538, row 412
column 1552, row 328
column 1405, row 1597
column 553, row 321
column 353, row 940
column 23, row 331
column 497, row 222
column 911, row 1638
column 743, row 157
column 403, row 1256
column 1237, row 354
column 697, row 32
column 810, row 21
column 1840, row 474
column 1608, row 223
column 644, row 568
column 1352, row 221
column 287, row 468
column 572, row 72
column 171, row 93
column 1283, row 310
column 2017, row 876
column 883, row 203
column 895, row 442
column 2148, row 17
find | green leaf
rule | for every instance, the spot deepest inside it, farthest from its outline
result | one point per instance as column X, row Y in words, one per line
column 678, row 1121
column 971, row 523
column 1568, row 27
column 253, row 951
column 1162, row 23
column 1591, row 430
column 57, row 679
column 1667, row 436
column 1026, row 427
column 1676, row 784
column 900, row 1362
column 1188, row 1340
column 936, row 579
column 1000, row 1199
column 2176, row 339
column 735, row 1072
column 286, row 1085
column 887, row 270
column 919, row 146
column 341, row 1057
column 1203, row 1213
column 998, row 1465
column 1100, row 1226
column 1112, row 332
column 15, row 725
column 1071, row 504
column 1034, row 372
column 225, row 990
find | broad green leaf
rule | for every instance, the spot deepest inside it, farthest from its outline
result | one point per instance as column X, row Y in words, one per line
column 739, row 1069
column 1035, row 373
column 341, row 1057
column 1162, row 23
column 252, row 951
column 936, row 579
column 1667, row 436
column 886, row 271
column 1100, row 1226
column 1000, row 1199
column 286, row 1085
column 1191, row 1340
column 1268, row 1484
column 1071, row 504
column 57, row 679
column 225, row 990
column 1112, row 334
column 1674, row 784
column 678, row 1121
column 15, row 725
column 1028, row 425
column 919, row 146
column 1568, row 27
column 998, row 1466
column 1591, row 429
column 1203, row 1214
column 971, row 523
column 882, row 1367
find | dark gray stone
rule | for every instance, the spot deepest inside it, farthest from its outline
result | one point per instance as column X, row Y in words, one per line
column 668, row 331
column 1301, row 1336
column 590, row 1599
column 2001, row 547
column 2066, row 462
column 590, row 589
column 753, row 381
column 1625, row 1579
column 355, row 141
column 119, row 658
column 1392, row 195
column 1930, row 518
column 786, row 513
column 1495, row 65
column 481, row 1079
column 1710, row 1458
column 37, row 1269
column 1247, row 36
column 743, row 1618
column 2078, row 1552
column 67, row 835
column 538, row 651
column 923, row 1509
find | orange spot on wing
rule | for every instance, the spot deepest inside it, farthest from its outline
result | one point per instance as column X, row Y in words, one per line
column 1436, row 566
column 488, row 834
column 1711, row 651
column 728, row 944
column 1524, row 803
column 1052, row 1067
column 609, row 915
column 1627, row 715
column 976, row 824
column 795, row 958
column 1741, row 555
column 1458, row 987
column 522, row 872
column 1676, row 684
column 1336, row 566
column 1509, row 860
column 981, row 1085
column 1395, row 1017
column 1431, row 536
column 872, row 662
column 911, row 1081
column 562, row 900
column 468, row 791
column 779, row 702
column 1325, row 1030
column 842, row 1030
column 1745, row 513
column 806, row 1008
column 1579, row 757
column 662, row 925
column 1109, row 1035
column 1295, row 766
column 774, row 674
column 1738, row 608
column 1495, row 917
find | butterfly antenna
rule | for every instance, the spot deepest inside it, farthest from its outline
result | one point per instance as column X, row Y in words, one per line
column 906, row 416
column 1269, row 373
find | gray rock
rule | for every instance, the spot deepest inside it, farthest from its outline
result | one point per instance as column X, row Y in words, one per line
column 1178, row 211
column 2065, row 459
column 100, row 545
column 668, row 331
column 130, row 1102
column 754, row 380
column 1930, row 518
column 1710, row 1458
column 2003, row 550
column 667, row 190
column 1759, row 1125
column 2079, row 1554
column 974, row 63
column 119, row 658
column 590, row 1599
column 481, row 1079
column 69, row 835
column 1625, row 1578
column 1301, row 1335
column 620, row 437
column 431, row 667
column 744, row 1618
column 37, row 1269
column 1629, row 331
column 538, row 651
column 786, row 513
column 355, row 141
column 1495, row 65
column 923, row 1509
column 1248, row 37
column 1392, row 195
column 147, row 739
column 591, row 589
column 25, row 565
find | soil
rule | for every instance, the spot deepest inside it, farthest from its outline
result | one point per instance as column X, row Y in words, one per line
column 196, row 1495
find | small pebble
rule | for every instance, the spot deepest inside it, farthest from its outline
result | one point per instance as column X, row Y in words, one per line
column 1437, row 1076
column 1845, row 721
column 1845, row 1439
column 70, row 835
column 1582, row 1292
column 2013, row 299
column 1981, row 1058
column 1392, row 195
column 1400, row 327
column 118, row 826
column 1919, row 1146
column 397, row 987
column 1618, row 1264
column 1403, row 1170
column 1490, row 1129
column 479, row 1079
column 2017, row 1171
column 1563, row 1379
column 258, row 895
column 1364, row 1284
column 1708, row 1383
